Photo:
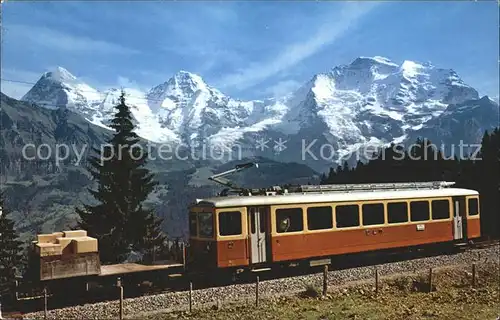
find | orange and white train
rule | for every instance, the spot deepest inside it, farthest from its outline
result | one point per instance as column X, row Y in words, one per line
column 315, row 223
column 259, row 229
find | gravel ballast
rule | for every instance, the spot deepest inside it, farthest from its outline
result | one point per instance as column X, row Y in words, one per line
column 175, row 301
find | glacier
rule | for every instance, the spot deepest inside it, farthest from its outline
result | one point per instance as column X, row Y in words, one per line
column 371, row 101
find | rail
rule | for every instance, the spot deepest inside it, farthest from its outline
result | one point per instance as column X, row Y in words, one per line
column 355, row 261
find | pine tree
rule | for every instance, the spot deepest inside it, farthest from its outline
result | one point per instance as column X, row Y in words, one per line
column 487, row 166
column 119, row 221
column 10, row 248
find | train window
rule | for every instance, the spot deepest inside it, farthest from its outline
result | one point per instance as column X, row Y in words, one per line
column 319, row 218
column 397, row 212
column 262, row 220
column 252, row 221
column 230, row 223
column 473, row 207
column 289, row 220
column 440, row 209
column 419, row 210
column 193, row 225
column 347, row 216
column 373, row 213
column 205, row 223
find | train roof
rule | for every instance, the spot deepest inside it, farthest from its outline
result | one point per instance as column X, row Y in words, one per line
column 321, row 197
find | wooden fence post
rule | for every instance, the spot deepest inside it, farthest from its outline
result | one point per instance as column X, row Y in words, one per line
column 325, row 280
column 473, row 275
column 121, row 302
column 376, row 280
column 120, row 286
column 45, row 313
column 257, row 292
column 190, row 296
column 430, row 279
column 17, row 290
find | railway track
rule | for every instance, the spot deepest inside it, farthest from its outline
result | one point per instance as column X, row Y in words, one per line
column 200, row 281
column 485, row 243
column 276, row 218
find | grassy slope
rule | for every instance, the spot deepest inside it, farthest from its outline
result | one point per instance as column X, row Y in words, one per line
column 453, row 299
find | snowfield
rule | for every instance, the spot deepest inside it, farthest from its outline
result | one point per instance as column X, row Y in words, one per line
column 370, row 101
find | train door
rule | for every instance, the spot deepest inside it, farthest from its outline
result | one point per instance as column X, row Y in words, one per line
column 459, row 219
column 258, row 226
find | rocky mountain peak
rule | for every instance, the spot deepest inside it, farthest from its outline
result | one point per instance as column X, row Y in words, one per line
column 182, row 85
column 367, row 62
column 59, row 74
column 187, row 78
column 370, row 100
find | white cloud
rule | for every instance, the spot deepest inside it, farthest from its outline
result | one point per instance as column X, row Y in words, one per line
column 126, row 82
column 154, row 77
column 327, row 32
column 201, row 40
column 282, row 88
column 207, row 54
column 222, row 12
column 15, row 90
column 487, row 87
column 24, row 81
column 57, row 40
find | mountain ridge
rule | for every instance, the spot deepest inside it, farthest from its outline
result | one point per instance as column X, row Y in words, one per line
column 371, row 101
column 43, row 193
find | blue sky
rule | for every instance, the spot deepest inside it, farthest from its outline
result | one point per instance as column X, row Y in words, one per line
column 246, row 49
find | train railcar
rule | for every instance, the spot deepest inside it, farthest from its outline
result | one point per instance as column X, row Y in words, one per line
column 314, row 223
column 260, row 229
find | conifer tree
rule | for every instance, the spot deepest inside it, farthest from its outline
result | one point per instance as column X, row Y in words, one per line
column 487, row 171
column 10, row 248
column 119, row 221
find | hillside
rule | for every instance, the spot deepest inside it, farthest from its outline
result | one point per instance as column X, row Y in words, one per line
column 43, row 195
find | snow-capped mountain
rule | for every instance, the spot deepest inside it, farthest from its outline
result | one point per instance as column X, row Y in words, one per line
column 197, row 112
column 465, row 121
column 60, row 89
column 409, row 94
column 372, row 101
